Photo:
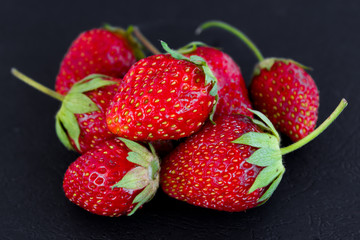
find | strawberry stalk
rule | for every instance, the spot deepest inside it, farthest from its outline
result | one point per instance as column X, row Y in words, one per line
column 234, row 31
column 37, row 85
column 148, row 45
column 285, row 150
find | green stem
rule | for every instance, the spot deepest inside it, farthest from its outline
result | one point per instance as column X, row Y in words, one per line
column 145, row 41
column 317, row 131
column 37, row 85
column 234, row 31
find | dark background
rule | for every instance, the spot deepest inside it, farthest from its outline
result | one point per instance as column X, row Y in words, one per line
column 319, row 197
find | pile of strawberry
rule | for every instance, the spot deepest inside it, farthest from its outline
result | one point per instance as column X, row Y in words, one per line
column 121, row 110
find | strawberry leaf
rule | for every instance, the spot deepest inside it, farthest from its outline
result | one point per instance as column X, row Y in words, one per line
column 259, row 140
column 272, row 187
column 142, row 198
column 60, row 132
column 91, row 82
column 79, row 103
column 267, row 175
column 143, row 157
column 135, row 179
column 69, row 121
column 175, row 54
column 136, row 158
column 261, row 124
column 264, row 157
column 267, row 122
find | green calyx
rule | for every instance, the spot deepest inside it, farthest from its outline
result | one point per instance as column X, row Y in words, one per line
column 268, row 155
column 267, row 64
column 144, row 176
column 201, row 63
column 128, row 35
column 76, row 102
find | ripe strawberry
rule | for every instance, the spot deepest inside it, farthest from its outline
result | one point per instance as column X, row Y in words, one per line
column 163, row 97
column 110, row 51
column 282, row 90
column 231, row 166
column 233, row 94
column 287, row 95
column 115, row 178
column 81, row 122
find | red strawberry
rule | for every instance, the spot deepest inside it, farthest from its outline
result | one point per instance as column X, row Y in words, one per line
column 81, row 121
column 233, row 94
column 115, row 178
column 110, row 51
column 163, row 97
column 282, row 90
column 287, row 95
column 231, row 166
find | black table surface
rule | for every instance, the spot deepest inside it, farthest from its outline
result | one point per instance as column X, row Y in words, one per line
column 319, row 197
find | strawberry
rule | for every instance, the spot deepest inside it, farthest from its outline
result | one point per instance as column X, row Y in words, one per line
column 165, row 96
column 81, row 122
column 115, row 178
column 110, row 51
column 282, row 90
column 233, row 94
column 231, row 166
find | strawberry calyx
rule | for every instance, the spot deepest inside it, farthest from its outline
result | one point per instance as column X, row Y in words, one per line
column 267, row 64
column 76, row 102
column 145, row 176
column 201, row 63
column 127, row 34
column 268, row 155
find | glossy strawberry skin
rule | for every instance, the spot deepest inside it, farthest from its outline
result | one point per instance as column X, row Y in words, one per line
column 233, row 94
column 208, row 170
column 288, row 96
column 160, row 98
column 88, row 181
column 94, row 51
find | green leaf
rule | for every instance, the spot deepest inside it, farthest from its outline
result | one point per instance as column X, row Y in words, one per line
column 267, row 175
column 175, row 54
column 79, row 103
column 209, row 79
column 142, row 152
column 259, row 140
column 70, row 123
column 262, row 125
column 143, row 197
column 264, row 157
column 136, row 178
column 267, row 121
column 98, row 81
column 272, row 187
column 138, row 159
column 60, row 132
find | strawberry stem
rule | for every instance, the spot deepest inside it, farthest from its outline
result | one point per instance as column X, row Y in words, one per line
column 234, row 31
column 145, row 41
column 317, row 131
column 37, row 85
